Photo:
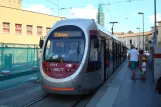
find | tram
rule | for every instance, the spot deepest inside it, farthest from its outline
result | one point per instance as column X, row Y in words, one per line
column 78, row 56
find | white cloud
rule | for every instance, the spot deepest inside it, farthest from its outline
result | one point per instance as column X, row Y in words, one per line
column 158, row 17
column 40, row 8
column 89, row 12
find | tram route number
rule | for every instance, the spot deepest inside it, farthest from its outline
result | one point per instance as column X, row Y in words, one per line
column 58, row 69
column 53, row 65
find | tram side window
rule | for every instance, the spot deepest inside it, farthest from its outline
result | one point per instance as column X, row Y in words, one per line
column 48, row 49
column 94, row 60
column 93, row 52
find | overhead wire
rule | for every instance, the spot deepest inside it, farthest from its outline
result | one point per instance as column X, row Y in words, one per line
column 61, row 7
column 119, row 2
column 80, row 6
column 105, row 8
column 115, row 3
column 76, row 7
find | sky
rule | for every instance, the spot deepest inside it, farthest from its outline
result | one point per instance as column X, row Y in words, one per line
column 123, row 11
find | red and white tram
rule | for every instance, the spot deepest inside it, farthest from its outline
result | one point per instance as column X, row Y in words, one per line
column 78, row 56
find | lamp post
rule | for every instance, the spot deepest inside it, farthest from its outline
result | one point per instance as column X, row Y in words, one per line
column 155, row 29
column 155, row 40
column 126, row 34
column 143, row 27
column 113, row 44
column 139, row 37
column 112, row 25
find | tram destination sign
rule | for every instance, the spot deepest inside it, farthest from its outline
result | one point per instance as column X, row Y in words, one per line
column 67, row 34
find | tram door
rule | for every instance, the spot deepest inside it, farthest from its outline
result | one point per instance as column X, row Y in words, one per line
column 109, row 57
column 114, row 55
column 117, row 55
column 103, row 58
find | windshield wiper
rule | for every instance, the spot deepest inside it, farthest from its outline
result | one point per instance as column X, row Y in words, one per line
column 72, row 56
column 59, row 59
column 50, row 60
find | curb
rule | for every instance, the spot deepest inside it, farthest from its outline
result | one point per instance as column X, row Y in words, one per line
column 11, row 76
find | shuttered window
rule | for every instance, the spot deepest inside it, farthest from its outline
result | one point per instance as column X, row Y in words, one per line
column 29, row 30
column 6, row 27
column 18, row 28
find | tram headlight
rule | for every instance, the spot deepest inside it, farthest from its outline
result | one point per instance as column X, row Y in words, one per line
column 69, row 70
column 74, row 66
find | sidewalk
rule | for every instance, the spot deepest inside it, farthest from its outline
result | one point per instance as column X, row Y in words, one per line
column 121, row 91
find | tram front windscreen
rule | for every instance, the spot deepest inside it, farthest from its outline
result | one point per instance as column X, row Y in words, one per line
column 65, row 44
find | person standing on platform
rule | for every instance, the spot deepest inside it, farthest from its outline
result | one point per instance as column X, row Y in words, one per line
column 143, row 66
column 138, row 52
column 134, row 58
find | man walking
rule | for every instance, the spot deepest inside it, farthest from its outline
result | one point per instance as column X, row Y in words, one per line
column 134, row 58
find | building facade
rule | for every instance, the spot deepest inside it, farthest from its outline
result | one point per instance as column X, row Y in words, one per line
column 23, row 27
column 11, row 3
column 158, row 34
column 136, row 39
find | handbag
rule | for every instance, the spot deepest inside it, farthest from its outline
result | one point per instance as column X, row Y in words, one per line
column 128, row 63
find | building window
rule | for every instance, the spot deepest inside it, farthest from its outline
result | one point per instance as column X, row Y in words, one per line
column 29, row 30
column 18, row 28
column 47, row 30
column 6, row 27
column 39, row 30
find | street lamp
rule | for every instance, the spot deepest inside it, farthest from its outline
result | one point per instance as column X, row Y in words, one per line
column 126, row 34
column 112, row 25
column 139, row 37
column 113, row 41
column 155, row 28
column 143, row 27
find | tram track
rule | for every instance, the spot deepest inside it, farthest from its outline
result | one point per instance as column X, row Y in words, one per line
column 35, row 101
column 84, row 100
column 72, row 101
column 31, row 95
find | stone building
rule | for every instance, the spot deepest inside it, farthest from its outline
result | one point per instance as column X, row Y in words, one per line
column 136, row 38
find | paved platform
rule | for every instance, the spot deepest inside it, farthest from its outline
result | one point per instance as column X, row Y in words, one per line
column 9, row 83
column 17, row 72
column 121, row 91
column 18, row 77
